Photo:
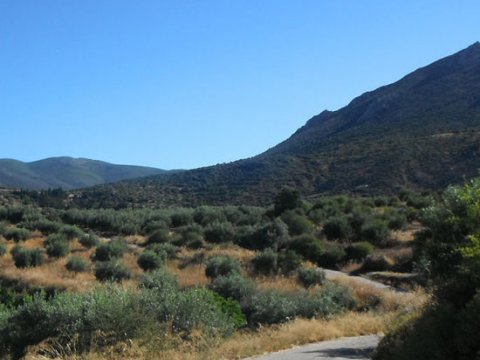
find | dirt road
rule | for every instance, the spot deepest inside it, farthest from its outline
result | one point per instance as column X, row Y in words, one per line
column 358, row 348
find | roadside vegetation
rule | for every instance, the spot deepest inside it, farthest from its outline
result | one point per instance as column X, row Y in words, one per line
column 194, row 281
column 447, row 255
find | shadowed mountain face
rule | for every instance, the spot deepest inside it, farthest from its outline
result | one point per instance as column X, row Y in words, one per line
column 421, row 132
column 66, row 172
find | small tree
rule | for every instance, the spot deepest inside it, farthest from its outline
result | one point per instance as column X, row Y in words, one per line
column 221, row 266
column 287, row 199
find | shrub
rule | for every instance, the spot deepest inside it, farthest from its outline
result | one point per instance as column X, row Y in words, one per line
column 297, row 224
column 160, row 280
column 159, row 224
column 57, row 249
column 233, row 286
column 112, row 250
column 76, row 264
column 112, row 270
column 333, row 254
column 265, row 262
column 27, row 257
column 376, row 232
column 89, row 240
column 149, row 260
column 71, row 231
column 232, row 309
column 270, row 307
column 273, row 234
column 181, row 218
column 337, row 228
column 377, row 263
column 219, row 232
column 221, row 266
column 159, row 236
column 289, row 261
column 3, row 249
column 287, row 199
column 207, row 215
column 199, row 309
column 17, row 234
column 311, row 277
column 195, row 244
column 396, row 219
column 190, row 234
column 168, row 249
column 308, row 246
column 47, row 227
column 359, row 251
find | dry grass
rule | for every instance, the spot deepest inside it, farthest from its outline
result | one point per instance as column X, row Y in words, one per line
column 248, row 343
column 190, row 276
column 384, row 300
column 283, row 283
column 233, row 251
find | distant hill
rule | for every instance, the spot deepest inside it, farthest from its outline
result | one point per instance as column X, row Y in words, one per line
column 66, row 172
column 421, row 132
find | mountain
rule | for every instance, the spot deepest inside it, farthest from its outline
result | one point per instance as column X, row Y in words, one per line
column 66, row 172
column 421, row 132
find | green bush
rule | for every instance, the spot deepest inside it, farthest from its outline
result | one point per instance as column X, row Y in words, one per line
column 168, row 249
column 208, row 215
column 337, row 228
column 287, row 199
column 181, row 218
column 71, row 231
column 161, row 281
column 199, row 309
column 221, row 266
column 273, row 234
column 57, row 249
column 3, row 249
column 159, row 236
column 57, row 245
column 233, row 286
column 289, row 261
column 47, row 227
column 76, row 264
column 311, row 277
column 396, row 219
column 219, row 232
column 297, row 224
column 360, row 251
column 89, row 240
column 232, row 309
column 270, row 307
column 375, row 232
column 111, row 250
column 16, row 234
column 149, row 260
column 190, row 234
column 308, row 246
column 27, row 257
column 112, row 270
column 266, row 262
column 334, row 254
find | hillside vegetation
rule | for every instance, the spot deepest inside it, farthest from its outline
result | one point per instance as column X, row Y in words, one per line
column 197, row 280
column 66, row 173
column 421, row 132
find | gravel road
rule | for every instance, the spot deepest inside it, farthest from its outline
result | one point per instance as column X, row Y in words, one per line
column 354, row 348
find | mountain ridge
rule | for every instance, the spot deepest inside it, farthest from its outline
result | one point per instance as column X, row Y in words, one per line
column 66, row 172
column 421, row 132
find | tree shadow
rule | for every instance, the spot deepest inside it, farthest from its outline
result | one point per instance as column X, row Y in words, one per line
column 347, row 353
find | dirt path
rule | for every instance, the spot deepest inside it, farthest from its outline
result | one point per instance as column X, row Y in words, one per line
column 358, row 348
column 332, row 274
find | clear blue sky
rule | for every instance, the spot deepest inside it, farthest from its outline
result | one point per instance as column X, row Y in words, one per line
column 183, row 84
